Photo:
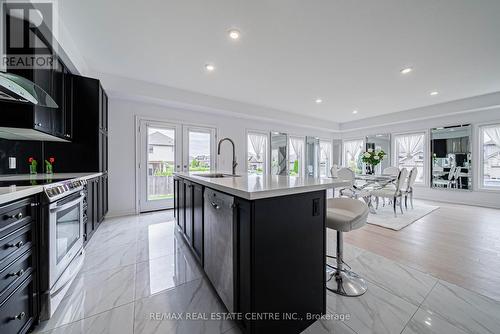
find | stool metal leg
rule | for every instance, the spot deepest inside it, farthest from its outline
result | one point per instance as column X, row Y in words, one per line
column 345, row 282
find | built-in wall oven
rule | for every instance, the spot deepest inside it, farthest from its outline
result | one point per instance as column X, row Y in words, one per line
column 62, row 241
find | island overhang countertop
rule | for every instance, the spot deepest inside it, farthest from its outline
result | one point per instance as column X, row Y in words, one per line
column 252, row 187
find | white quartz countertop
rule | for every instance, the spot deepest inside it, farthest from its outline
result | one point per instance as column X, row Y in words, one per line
column 12, row 193
column 253, row 187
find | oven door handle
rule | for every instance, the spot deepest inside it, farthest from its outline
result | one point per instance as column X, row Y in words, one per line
column 67, row 205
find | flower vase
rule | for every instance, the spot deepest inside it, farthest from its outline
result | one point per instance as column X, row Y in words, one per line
column 32, row 169
column 370, row 169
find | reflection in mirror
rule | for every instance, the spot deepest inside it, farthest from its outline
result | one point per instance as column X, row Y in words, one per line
column 380, row 142
column 451, row 157
column 279, row 153
column 312, row 157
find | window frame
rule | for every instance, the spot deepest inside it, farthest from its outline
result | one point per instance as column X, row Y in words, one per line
column 363, row 147
column 426, row 153
column 267, row 155
column 329, row 141
column 480, row 146
column 302, row 158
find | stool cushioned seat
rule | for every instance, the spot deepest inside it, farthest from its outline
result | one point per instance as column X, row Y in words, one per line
column 345, row 214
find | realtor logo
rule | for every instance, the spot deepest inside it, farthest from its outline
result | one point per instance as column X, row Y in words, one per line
column 25, row 30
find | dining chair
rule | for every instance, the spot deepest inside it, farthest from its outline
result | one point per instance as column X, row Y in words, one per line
column 412, row 177
column 394, row 171
column 445, row 182
column 395, row 194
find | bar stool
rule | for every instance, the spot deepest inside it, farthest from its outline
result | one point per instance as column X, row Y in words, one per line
column 344, row 215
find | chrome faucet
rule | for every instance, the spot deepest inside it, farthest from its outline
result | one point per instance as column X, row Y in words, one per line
column 234, row 153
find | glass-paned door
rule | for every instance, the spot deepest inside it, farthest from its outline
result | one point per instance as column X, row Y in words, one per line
column 199, row 153
column 160, row 157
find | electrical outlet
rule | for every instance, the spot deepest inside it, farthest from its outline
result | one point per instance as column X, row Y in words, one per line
column 12, row 162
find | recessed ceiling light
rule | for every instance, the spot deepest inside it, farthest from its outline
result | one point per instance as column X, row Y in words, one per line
column 354, row 112
column 234, row 34
column 319, row 101
column 434, row 93
column 406, row 70
column 209, row 67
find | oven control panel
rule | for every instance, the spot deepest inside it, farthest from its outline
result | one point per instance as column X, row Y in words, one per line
column 61, row 189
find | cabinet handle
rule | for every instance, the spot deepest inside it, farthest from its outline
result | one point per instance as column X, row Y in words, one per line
column 20, row 316
column 17, row 216
column 38, row 124
column 18, row 245
column 18, row 274
column 215, row 205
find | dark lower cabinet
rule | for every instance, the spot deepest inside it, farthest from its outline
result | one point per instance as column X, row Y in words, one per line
column 96, row 204
column 188, row 209
column 197, row 204
column 19, row 307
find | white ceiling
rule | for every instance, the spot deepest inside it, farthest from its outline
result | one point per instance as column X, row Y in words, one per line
column 349, row 53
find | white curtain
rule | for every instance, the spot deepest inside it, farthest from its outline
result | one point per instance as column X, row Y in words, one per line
column 258, row 142
column 494, row 134
column 352, row 150
column 410, row 146
column 297, row 145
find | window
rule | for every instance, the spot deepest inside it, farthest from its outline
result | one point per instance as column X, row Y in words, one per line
column 296, row 155
column 352, row 155
column 257, row 150
column 409, row 153
column 325, row 158
column 490, row 154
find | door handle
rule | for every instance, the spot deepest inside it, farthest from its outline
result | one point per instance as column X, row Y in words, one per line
column 215, row 205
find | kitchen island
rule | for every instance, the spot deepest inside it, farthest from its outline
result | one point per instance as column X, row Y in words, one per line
column 261, row 241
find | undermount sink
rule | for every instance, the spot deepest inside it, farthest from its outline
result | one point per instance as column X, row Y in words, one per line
column 216, row 175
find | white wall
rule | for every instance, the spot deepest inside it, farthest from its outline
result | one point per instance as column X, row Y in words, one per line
column 477, row 196
column 122, row 134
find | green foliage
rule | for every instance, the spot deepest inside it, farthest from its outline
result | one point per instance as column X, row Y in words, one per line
column 373, row 157
column 296, row 167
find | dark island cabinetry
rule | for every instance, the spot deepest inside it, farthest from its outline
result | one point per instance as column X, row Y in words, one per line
column 268, row 254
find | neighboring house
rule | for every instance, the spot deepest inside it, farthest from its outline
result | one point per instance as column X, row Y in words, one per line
column 492, row 159
column 160, row 153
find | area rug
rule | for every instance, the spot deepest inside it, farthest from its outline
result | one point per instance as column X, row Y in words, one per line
column 385, row 216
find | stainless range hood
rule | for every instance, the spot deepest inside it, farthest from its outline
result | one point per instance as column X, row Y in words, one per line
column 16, row 88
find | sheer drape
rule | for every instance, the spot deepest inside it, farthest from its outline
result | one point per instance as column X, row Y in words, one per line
column 494, row 135
column 257, row 141
column 352, row 150
column 410, row 146
column 297, row 145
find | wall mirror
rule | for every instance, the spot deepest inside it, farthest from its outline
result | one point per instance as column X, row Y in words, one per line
column 451, row 163
column 312, row 157
column 279, row 153
column 380, row 142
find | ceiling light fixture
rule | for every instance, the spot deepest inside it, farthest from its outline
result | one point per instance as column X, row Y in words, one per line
column 234, row 34
column 434, row 93
column 354, row 112
column 209, row 67
column 319, row 101
column 406, row 70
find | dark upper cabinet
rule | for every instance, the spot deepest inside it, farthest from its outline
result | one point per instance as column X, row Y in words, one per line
column 54, row 78
column 88, row 151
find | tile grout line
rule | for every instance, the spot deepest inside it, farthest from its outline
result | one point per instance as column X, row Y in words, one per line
column 81, row 319
column 419, row 306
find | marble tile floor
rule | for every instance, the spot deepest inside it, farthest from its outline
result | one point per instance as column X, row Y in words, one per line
column 138, row 266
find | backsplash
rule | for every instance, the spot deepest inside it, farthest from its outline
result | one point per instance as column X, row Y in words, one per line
column 21, row 150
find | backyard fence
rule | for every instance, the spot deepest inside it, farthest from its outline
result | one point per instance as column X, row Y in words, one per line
column 160, row 185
